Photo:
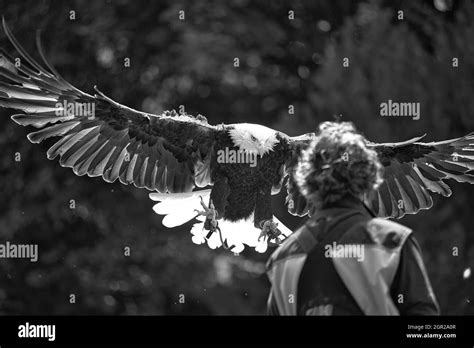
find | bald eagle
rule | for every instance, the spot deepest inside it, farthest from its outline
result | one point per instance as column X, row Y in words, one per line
column 230, row 172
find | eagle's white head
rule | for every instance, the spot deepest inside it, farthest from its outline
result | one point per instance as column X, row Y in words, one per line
column 253, row 137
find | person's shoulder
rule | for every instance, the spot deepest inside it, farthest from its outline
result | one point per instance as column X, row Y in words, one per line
column 377, row 231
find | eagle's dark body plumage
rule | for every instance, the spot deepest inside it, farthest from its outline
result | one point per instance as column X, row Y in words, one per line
column 239, row 189
column 174, row 154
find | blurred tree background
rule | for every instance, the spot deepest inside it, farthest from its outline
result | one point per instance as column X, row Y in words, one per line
column 283, row 62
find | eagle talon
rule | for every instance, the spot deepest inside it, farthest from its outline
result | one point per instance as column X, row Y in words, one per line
column 277, row 242
column 270, row 229
column 211, row 216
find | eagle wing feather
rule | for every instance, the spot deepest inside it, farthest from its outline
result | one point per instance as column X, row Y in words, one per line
column 412, row 171
column 166, row 153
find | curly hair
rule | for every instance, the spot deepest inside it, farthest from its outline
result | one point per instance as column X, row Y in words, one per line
column 337, row 163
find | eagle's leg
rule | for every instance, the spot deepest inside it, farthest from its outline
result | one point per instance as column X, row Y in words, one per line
column 263, row 217
column 215, row 210
column 219, row 194
column 270, row 229
column 210, row 213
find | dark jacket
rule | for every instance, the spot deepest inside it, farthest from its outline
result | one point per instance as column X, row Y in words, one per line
column 344, row 261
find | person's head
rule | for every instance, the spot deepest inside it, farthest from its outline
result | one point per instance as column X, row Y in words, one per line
column 337, row 163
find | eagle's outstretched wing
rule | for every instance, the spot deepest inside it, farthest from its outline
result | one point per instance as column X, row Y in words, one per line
column 412, row 171
column 99, row 137
column 172, row 153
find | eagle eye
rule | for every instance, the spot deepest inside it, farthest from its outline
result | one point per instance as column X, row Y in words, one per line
column 253, row 138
